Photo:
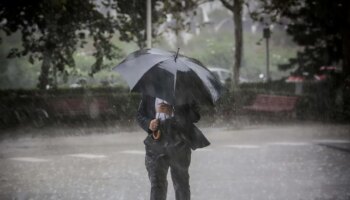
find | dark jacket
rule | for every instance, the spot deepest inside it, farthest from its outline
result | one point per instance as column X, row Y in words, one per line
column 184, row 117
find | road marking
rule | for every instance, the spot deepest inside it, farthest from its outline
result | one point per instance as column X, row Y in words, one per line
column 204, row 149
column 238, row 146
column 29, row 159
column 329, row 141
column 89, row 156
column 289, row 144
column 137, row 152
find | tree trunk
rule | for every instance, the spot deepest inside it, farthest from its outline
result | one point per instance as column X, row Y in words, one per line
column 237, row 18
column 45, row 69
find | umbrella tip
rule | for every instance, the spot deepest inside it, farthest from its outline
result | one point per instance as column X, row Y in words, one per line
column 177, row 53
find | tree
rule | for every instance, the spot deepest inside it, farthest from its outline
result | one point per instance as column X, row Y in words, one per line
column 236, row 8
column 322, row 27
column 131, row 16
column 52, row 31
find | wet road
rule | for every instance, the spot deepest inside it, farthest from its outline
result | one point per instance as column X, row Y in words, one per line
column 290, row 162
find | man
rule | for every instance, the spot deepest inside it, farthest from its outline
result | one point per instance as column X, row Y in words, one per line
column 171, row 135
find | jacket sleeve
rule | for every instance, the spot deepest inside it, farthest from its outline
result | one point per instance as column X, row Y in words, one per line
column 194, row 113
column 188, row 113
column 142, row 118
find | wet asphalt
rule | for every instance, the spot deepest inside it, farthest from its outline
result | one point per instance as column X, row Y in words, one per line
column 261, row 162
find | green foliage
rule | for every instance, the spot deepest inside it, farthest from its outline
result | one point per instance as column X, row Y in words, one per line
column 53, row 30
column 218, row 51
column 16, row 72
column 318, row 26
column 211, row 50
column 254, row 60
column 131, row 17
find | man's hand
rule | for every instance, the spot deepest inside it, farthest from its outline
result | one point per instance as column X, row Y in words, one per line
column 153, row 126
column 165, row 108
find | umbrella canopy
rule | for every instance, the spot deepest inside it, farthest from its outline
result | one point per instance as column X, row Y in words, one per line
column 167, row 75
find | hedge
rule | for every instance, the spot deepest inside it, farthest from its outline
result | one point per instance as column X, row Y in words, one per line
column 123, row 105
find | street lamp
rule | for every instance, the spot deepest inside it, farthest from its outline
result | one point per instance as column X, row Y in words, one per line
column 149, row 24
column 266, row 35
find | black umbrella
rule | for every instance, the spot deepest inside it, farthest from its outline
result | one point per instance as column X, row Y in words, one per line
column 167, row 75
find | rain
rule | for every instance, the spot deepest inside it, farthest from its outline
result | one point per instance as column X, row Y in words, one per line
column 254, row 94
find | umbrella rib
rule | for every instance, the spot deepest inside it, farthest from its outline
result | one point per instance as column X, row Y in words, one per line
column 208, row 90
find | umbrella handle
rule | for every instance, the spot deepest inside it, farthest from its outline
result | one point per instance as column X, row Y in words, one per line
column 156, row 134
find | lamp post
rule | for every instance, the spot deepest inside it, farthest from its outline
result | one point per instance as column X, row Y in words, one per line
column 149, row 24
column 266, row 35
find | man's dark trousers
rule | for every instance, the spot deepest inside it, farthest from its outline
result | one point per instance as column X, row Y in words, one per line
column 169, row 152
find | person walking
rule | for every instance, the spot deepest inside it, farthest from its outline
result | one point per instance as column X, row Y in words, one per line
column 171, row 136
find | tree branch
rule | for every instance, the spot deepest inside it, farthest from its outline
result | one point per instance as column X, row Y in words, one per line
column 227, row 4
